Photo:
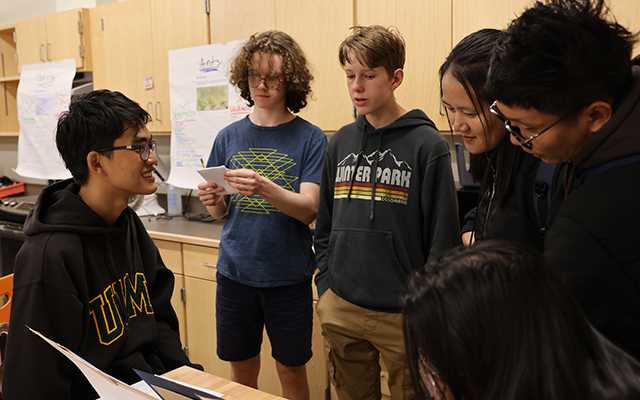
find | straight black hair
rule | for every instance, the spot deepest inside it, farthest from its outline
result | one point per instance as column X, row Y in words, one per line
column 493, row 322
column 468, row 62
column 95, row 120
column 560, row 56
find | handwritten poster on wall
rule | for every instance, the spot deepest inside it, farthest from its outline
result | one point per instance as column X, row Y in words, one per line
column 44, row 92
column 202, row 103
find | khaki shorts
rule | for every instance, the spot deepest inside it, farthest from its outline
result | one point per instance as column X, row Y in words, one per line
column 357, row 339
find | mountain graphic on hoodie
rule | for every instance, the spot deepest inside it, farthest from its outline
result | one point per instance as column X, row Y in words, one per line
column 393, row 177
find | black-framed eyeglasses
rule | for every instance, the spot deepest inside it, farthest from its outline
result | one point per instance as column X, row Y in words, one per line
column 271, row 82
column 144, row 149
column 525, row 141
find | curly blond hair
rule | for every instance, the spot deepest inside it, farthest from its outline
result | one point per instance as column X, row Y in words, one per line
column 295, row 70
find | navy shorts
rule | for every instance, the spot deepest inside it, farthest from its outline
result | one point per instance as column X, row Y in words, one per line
column 242, row 312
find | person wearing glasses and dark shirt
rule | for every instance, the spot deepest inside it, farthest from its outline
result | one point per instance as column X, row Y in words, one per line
column 512, row 205
column 566, row 87
column 88, row 275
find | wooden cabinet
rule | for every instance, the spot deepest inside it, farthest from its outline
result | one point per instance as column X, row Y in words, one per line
column 627, row 13
column 131, row 47
column 471, row 15
column 122, row 48
column 172, row 256
column 233, row 20
column 32, row 34
column 195, row 271
column 426, row 28
column 55, row 37
column 8, row 82
column 318, row 26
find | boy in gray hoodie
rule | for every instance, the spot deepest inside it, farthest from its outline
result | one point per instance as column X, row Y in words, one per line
column 387, row 204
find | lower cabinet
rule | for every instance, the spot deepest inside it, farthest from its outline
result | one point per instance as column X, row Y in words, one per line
column 194, row 269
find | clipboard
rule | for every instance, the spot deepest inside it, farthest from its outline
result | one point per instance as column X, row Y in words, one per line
column 172, row 390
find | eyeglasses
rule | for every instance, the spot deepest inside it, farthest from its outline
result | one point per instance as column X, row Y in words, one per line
column 271, row 82
column 526, row 142
column 144, row 149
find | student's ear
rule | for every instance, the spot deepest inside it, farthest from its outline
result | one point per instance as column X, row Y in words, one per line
column 94, row 164
column 596, row 115
column 397, row 78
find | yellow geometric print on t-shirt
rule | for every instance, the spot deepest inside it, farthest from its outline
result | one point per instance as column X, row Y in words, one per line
column 269, row 163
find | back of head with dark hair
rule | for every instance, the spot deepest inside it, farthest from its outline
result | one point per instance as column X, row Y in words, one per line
column 374, row 46
column 494, row 323
column 95, row 120
column 560, row 56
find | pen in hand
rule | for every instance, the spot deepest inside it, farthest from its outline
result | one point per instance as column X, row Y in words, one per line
column 202, row 163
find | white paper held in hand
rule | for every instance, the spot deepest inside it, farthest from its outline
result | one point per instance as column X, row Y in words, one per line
column 216, row 175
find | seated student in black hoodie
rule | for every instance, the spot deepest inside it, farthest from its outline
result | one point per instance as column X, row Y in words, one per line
column 88, row 275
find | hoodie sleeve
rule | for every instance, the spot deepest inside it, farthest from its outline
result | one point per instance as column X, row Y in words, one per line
column 469, row 221
column 323, row 224
column 45, row 299
column 440, row 206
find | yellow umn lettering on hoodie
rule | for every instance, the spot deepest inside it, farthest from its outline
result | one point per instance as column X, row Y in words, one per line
column 106, row 314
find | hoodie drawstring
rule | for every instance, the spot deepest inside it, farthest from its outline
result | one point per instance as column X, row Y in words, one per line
column 363, row 146
column 374, row 178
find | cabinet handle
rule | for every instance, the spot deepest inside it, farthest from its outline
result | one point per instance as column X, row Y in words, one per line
column 41, row 52
column 158, row 112
column 6, row 102
column 150, row 109
column 207, row 265
column 48, row 46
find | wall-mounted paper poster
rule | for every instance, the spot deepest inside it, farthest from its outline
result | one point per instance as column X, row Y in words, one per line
column 202, row 103
column 44, row 93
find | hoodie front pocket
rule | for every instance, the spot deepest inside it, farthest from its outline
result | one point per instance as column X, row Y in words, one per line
column 365, row 269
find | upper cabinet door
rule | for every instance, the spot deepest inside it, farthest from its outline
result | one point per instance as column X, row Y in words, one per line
column 471, row 15
column 426, row 28
column 232, row 19
column 66, row 36
column 319, row 27
column 31, row 38
column 122, row 54
column 175, row 24
column 627, row 13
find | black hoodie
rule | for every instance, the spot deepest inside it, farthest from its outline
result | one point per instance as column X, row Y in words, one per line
column 374, row 229
column 102, row 291
column 594, row 241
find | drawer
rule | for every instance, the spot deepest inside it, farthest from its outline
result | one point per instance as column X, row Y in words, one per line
column 200, row 261
column 171, row 255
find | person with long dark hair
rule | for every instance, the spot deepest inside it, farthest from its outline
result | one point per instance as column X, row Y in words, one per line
column 510, row 205
column 492, row 321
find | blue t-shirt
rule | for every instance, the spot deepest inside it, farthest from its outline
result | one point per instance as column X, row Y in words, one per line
column 261, row 246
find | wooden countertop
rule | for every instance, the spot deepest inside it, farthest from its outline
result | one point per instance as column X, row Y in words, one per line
column 178, row 229
column 231, row 390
